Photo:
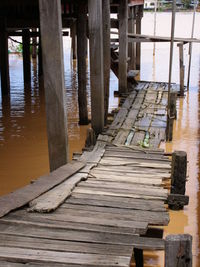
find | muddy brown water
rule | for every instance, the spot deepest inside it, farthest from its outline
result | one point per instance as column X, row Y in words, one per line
column 23, row 141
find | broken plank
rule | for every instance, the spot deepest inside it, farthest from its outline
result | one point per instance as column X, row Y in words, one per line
column 52, row 199
column 26, row 194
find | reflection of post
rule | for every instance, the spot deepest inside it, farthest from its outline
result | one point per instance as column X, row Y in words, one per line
column 26, row 55
column 182, row 68
column 81, row 55
column 34, row 44
column 123, row 45
column 73, row 40
column 106, row 54
column 4, row 59
column 53, row 67
column 96, row 64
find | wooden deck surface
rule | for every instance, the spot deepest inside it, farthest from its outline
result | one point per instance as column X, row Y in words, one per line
column 102, row 209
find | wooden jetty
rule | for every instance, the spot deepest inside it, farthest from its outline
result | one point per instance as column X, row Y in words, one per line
column 104, row 207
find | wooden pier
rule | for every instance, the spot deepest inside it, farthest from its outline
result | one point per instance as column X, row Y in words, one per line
column 106, row 206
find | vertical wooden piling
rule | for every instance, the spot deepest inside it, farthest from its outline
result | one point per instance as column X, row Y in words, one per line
column 26, row 56
column 123, row 45
column 73, row 40
column 178, row 251
column 53, row 66
column 4, row 59
column 139, row 258
column 106, row 54
column 178, row 176
column 81, row 56
column 131, row 45
column 169, row 121
column 138, row 31
column 182, row 69
column 96, row 64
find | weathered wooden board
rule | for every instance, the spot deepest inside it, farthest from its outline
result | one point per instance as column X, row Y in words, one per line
column 114, row 192
column 116, row 202
column 45, row 256
column 24, row 195
column 119, row 119
column 152, row 217
column 63, row 245
column 62, row 234
column 77, row 222
column 121, row 137
column 52, row 199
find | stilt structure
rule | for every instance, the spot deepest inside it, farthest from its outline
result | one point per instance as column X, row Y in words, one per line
column 123, row 45
column 26, row 56
column 81, row 56
column 53, row 66
column 131, row 45
column 4, row 59
column 106, row 54
column 139, row 11
column 96, row 64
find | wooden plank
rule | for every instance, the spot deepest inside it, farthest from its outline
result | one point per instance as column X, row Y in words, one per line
column 121, row 115
column 45, row 256
column 96, row 66
column 61, row 234
column 118, row 187
column 120, row 202
column 51, row 30
column 52, row 199
column 131, row 171
column 152, row 217
column 114, row 192
column 138, row 137
column 24, row 195
column 77, row 222
column 121, row 137
column 62, row 245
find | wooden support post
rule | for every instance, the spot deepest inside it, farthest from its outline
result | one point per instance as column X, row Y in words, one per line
column 178, row 251
column 182, row 69
column 123, row 46
column 178, row 176
column 138, row 31
column 4, row 59
column 34, row 44
column 139, row 259
column 106, row 54
column 131, row 45
column 81, row 56
column 73, row 40
column 40, row 64
column 26, row 56
column 53, row 66
column 96, row 64
column 172, row 116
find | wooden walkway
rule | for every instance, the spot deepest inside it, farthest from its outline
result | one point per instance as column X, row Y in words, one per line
column 109, row 198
